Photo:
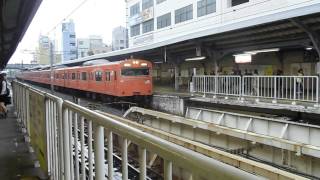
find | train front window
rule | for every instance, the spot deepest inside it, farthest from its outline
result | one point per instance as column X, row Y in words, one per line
column 135, row 72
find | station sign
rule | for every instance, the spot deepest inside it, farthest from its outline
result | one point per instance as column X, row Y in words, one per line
column 143, row 16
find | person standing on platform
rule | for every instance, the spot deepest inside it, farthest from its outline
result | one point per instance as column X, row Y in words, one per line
column 299, row 83
column 4, row 94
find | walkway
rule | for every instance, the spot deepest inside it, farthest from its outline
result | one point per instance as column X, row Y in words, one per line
column 16, row 163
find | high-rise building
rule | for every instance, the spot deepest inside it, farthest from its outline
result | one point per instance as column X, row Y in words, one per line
column 83, row 46
column 42, row 54
column 119, row 38
column 69, row 49
column 95, row 42
column 92, row 45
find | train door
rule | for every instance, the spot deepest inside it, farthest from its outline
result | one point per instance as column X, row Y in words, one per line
column 108, row 82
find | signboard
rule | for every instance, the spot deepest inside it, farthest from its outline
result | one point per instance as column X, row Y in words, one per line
column 143, row 16
column 144, row 39
column 38, row 128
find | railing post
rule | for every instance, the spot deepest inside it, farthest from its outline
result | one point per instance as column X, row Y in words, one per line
column 274, row 89
column 71, row 167
column 215, row 86
column 90, row 152
column 258, row 88
column 76, row 148
column 124, row 156
column 167, row 170
column 83, row 164
column 99, row 153
column 317, row 91
column 110, row 155
column 60, row 138
column 204, row 86
column 142, row 163
column 294, row 90
column 66, row 145
column 47, row 120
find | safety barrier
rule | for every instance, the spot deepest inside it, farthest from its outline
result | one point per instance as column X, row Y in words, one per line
column 74, row 140
column 217, row 85
column 293, row 88
column 290, row 88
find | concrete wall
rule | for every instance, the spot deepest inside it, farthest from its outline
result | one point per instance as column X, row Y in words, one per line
column 168, row 104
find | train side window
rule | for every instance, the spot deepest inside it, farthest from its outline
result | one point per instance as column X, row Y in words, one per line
column 84, row 76
column 73, row 76
column 108, row 76
column 98, row 76
column 115, row 75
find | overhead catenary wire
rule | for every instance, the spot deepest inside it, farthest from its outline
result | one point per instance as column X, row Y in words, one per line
column 68, row 15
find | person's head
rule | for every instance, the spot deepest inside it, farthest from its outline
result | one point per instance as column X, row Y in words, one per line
column 256, row 71
column 300, row 70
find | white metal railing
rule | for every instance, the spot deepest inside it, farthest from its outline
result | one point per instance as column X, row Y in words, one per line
column 68, row 160
column 217, row 85
column 291, row 88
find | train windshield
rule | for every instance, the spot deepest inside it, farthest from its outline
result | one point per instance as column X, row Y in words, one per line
column 135, row 72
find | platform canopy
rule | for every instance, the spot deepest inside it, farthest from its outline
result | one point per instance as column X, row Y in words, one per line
column 16, row 16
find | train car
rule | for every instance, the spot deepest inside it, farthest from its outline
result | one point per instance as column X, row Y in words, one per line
column 127, row 78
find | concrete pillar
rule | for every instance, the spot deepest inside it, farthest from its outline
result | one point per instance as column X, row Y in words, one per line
column 176, row 77
column 194, row 70
column 280, row 58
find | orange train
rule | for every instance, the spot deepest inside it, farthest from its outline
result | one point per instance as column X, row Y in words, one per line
column 121, row 79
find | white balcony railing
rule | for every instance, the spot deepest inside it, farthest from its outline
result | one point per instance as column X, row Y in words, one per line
column 54, row 125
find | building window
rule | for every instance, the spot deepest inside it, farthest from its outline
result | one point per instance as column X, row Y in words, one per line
column 147, row 4
column 80, row 42
column 148, row 26
column 72, row 36
column 73, row 52
column 237, row 2
column 184, row 14
column 206, row 7
column 84, row 76
column 135, row 9
column 160, row 1
column 72, row 44
column 98, row 76
column 164, row 21
column 135, row 30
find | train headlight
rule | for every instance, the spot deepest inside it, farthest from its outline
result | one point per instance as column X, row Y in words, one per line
column 144, row 64
column 127, row 65
column 147, row 82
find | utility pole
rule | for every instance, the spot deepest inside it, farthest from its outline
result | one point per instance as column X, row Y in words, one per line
column 51, row 68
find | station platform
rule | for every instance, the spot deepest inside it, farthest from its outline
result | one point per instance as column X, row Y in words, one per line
column 15, row 160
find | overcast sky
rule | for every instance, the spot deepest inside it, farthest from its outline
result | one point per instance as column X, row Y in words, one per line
column 95, row 17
